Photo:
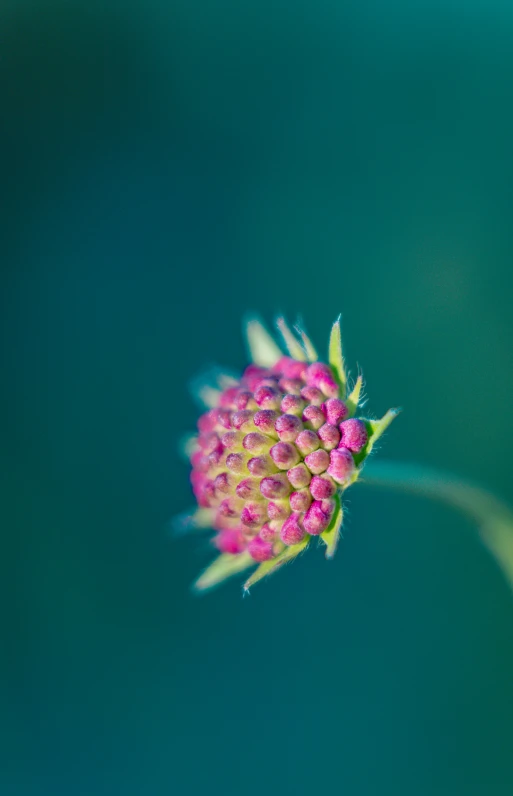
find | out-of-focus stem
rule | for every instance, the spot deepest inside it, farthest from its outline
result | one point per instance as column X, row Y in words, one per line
column 494, row 518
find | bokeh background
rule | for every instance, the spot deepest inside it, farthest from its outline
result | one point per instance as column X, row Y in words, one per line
column 167, row 166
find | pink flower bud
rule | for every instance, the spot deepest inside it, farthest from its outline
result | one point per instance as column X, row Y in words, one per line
column 318, row 516
column 216, row 458
column 284, row 455
column 230, row 540
column 335, row 410
column 319, row 375
column 253, row 375
column 288, row 427
column 199, row 461
column 318, row 461
column 341, row 465
column 264, row 420
column 269, row 531
column 260, row 550
column 300, row 501
column 312, row 395
column 267, row 397
column 322, row 487
column 235, row 462
column 353, row 434
column 248, row 488
column 292, row 386
column 253, row 514
column 208, row 442
column 256, row 443
column 232, row 440
column 292, row 405
column 292, row 532
column 290, row 368
column 275, row 487
column 313, row 417
column 224, row 418
column 307, row 441
column 261, row 466
column 278, row 509
column 244, row 400
column 299, row 476
column 227, row 399
column 208, row 421
column 329, row 436
column 242, row 419
column 224, row 483
column 229, row 508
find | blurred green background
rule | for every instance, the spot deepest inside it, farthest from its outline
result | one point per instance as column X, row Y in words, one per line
column 167, row 166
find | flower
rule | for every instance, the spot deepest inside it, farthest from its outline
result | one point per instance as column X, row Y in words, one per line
column 274, row 453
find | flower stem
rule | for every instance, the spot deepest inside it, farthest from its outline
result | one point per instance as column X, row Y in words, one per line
column 494, row 518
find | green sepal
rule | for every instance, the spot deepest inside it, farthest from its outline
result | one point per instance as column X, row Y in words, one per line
column 354, row 397
column 262, row 348
column 267, row 567
column 293, row 345
column 311, row 353
column 209, row 396
column 335, row 358
column 375, row 429
column 223, row 567
column 331, row 535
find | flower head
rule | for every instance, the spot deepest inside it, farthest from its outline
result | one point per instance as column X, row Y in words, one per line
column 275, row 451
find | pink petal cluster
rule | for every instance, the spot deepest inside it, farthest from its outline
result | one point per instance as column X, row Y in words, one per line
column 271, row 456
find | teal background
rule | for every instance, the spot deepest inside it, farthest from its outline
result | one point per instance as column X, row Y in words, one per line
column 166, row 167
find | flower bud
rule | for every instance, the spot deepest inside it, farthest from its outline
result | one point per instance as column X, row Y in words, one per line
column 301, row 500
column 319, row 375
column 318, row 461
column 329, row 436
column 318, row 516
column 256, row 443
column 292, row 532
column 313, row 417
column 260, row 550
column 284, row 455
column 341, row 465
column 224, row 420
column 230, row 540
column 236, row 462
column 269, row 532
column 278, row 509
column 242, row 420
column 232, row 440
column 265, row 419
column 307, row 441
column 312, row 395
column 290, row 368
column 353, row 434
column 292, row 405
column 292, row 386
column 288, row 427
column 261, row 466
column 275, row 487
column 244, row 400
column 208, row 421
column 253, row 514
column 299, row 476
column 248, row 488
column 322, row 487
column 335, row 410
column 224, row 483
column 267, row 397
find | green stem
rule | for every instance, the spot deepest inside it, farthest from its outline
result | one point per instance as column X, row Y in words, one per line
column 494, row 518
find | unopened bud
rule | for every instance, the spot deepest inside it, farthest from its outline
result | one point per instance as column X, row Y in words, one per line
column 292, row 532
column 322, row 487
column 318, row 516
column 313, row 417
column 288, row 427
column 299, row 476
column 284, row 455
column 300, row 501
column 318, row 461
column 329, row 435
column 341, row 465
column 275, row 487
column 353, row 434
